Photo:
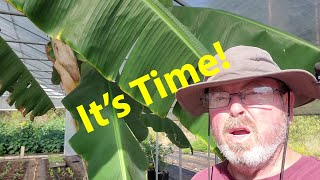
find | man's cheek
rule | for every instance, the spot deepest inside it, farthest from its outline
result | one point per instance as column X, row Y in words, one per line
column 217, row 131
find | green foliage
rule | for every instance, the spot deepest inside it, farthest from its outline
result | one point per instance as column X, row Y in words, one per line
column 304, row 136
column 55, row 159
column 6, row 171
column 198, row 145
column 149, row 147
column 69, row 171
column 1, row 149
column 19, row 171
column 45, row 136
column 61, row 173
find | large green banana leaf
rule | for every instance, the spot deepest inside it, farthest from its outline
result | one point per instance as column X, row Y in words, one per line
column 288, row 51
column 105, row 31
column 113, row 151
column 25, row 92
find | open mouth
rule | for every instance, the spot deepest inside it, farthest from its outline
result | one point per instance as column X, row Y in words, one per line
column 239, row 131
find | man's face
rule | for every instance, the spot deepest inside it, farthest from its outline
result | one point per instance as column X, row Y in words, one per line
column 249, row 134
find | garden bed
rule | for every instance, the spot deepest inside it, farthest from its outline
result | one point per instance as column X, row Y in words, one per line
column 41, row 168
column 12, row 169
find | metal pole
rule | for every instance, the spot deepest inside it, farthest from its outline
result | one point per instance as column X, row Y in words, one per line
column 215, row 159
column 180, row 3
column 26, row 42
column 157, row 153
column 180, row 159
column 34, row 59
column 209, row 133
column 41, row 71
column 269, row 12
column 208, row 157
column 317, row 22
column 12, row 13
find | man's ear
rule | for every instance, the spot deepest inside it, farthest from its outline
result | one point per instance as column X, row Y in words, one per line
column 292, row 99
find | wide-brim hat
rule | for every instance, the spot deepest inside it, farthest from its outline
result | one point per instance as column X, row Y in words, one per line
column 248, row 63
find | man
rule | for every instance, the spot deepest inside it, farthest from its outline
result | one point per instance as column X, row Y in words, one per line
column 250, row 108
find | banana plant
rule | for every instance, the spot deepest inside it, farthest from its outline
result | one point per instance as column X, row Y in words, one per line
column 25, row 91
column 153, row 38
column 113, row 151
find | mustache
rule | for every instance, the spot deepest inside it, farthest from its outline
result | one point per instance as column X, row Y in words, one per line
column 242, row 121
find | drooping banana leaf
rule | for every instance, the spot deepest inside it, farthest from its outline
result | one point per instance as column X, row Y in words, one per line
column 25, row 92
column 103, row 32
column 103, row 147
column 111, row 151
column 173, row 132
column 287, row 50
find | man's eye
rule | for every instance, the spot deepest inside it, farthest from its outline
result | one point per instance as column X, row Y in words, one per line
column 249, row 93
column 220, row 98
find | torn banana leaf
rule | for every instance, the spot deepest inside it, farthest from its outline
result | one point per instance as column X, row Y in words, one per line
column 25, row 92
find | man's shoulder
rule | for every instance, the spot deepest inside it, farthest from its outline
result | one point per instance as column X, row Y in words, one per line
column 308, row 162
column 307, row 166
column 218, row 172
column 311, row 159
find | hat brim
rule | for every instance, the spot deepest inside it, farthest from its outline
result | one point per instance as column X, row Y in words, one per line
column 302, row 84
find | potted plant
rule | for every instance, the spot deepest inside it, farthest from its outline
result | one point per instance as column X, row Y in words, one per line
column 149, row 147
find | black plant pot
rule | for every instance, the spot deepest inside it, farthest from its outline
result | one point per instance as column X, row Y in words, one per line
column 151, row 174
column 163, row 175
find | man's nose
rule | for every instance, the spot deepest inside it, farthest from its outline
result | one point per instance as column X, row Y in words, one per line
column 236, row 106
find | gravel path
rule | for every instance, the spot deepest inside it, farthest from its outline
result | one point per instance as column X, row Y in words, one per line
column 191, row 164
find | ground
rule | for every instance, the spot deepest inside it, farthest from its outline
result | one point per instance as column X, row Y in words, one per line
column 71, row 167
column 41, row 169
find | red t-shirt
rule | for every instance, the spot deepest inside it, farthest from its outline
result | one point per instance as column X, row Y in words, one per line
column 306, row 168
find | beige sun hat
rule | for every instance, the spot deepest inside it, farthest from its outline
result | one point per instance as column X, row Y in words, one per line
column 247, row 63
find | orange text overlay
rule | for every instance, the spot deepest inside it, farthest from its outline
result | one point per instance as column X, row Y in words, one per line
column 207, row 65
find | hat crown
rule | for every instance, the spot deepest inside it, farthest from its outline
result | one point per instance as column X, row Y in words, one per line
column 245, row 61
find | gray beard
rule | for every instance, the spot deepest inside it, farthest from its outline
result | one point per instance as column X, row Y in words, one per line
column 257, row 155
column 250, row 158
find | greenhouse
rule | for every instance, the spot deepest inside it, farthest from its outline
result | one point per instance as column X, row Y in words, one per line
column 159, row 89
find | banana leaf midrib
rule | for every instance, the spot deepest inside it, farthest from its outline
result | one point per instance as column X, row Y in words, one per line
column 118, row 139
